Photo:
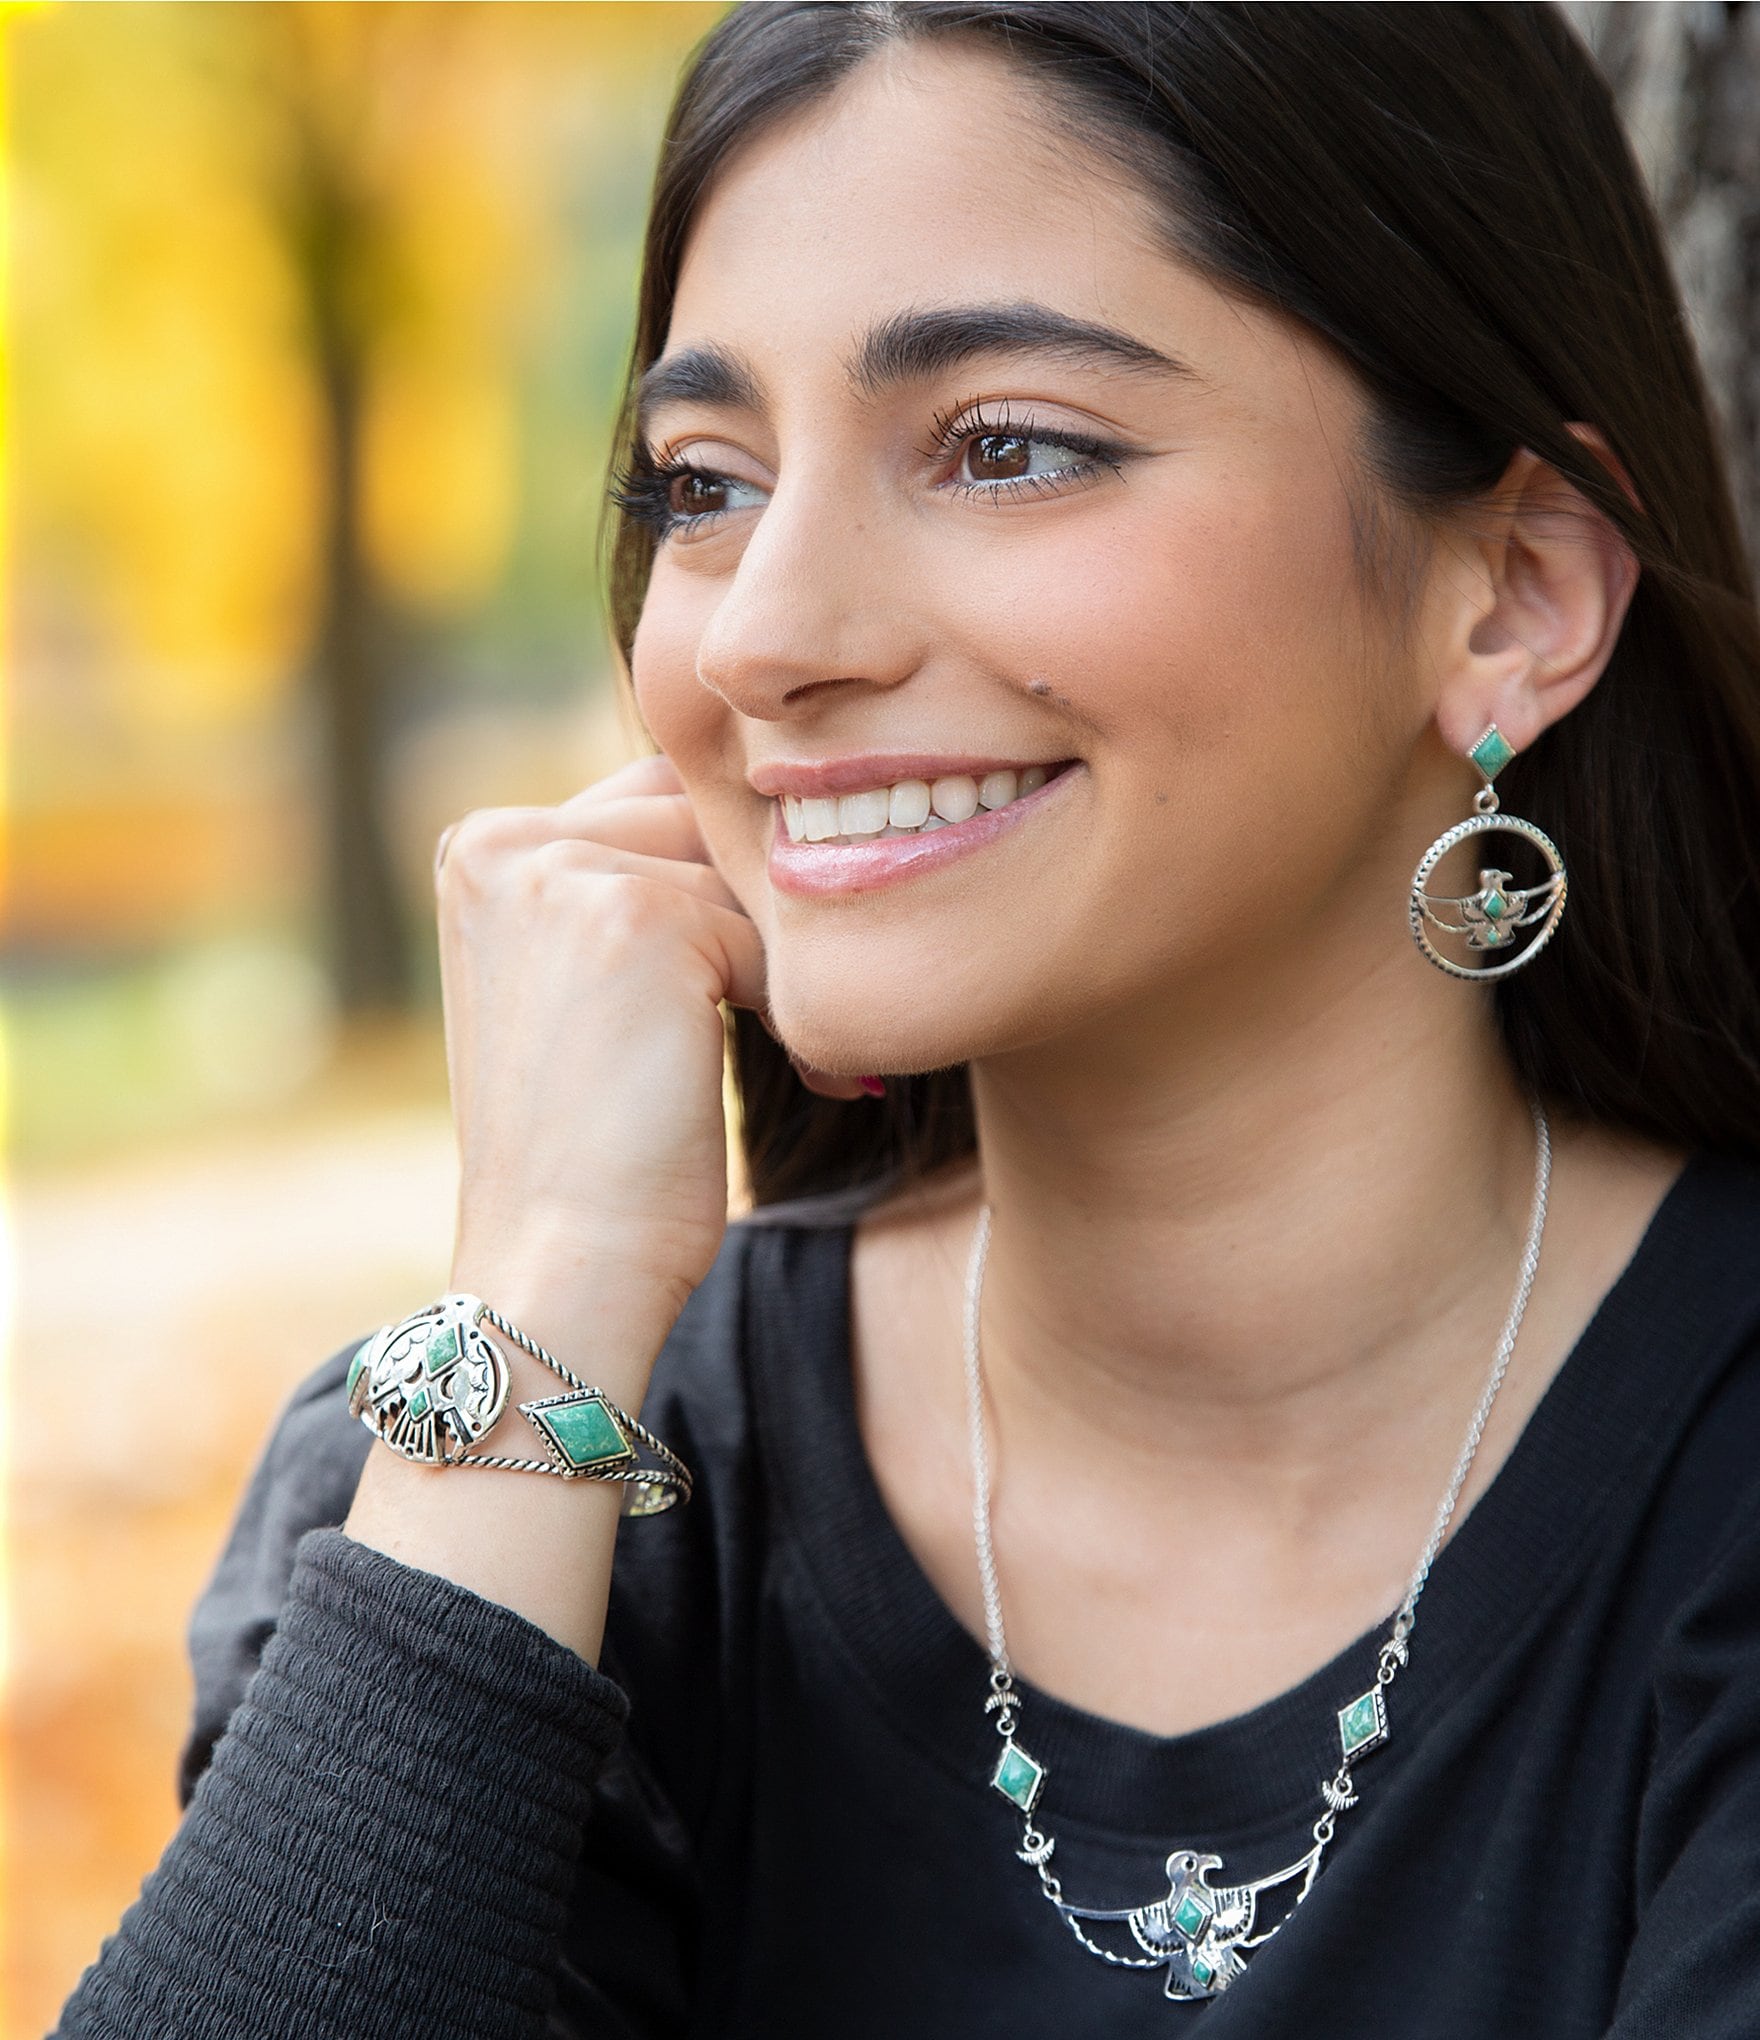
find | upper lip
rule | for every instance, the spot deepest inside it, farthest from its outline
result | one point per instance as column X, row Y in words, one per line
column 822, row 776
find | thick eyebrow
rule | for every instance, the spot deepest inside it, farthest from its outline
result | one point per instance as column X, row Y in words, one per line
column 909, row 347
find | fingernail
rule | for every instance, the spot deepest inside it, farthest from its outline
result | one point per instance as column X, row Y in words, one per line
column 874, row 1086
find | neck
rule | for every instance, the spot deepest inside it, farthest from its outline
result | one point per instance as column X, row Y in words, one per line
column 1219, row 1234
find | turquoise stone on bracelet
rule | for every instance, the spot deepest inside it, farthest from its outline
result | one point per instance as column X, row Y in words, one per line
column 583, row 1429
column 442, row 1351
column 1491, row 753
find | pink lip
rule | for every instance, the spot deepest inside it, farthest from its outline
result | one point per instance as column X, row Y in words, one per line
column 825, row 870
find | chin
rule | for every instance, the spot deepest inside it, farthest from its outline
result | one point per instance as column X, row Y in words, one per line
column 850, row 1034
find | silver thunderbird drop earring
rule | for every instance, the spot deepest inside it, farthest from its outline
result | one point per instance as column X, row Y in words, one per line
column 1491, row 918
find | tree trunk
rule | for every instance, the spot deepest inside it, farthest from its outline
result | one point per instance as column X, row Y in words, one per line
column 1687, row 77
column 352, row 668
column 369, row 943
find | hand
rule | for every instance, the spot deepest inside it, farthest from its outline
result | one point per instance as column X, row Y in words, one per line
column 585, row 950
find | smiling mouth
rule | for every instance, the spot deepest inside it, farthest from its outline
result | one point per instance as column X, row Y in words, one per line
column 908, row 807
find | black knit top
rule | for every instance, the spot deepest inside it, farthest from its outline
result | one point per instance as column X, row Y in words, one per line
column 409, row 1811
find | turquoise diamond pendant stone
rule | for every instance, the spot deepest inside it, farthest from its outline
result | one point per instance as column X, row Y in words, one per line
column 1491, row 753
column 1362, row 1725
column 418, row 1403
column 1202, row 1974
column 1018, row 1777
column 1191, row 1916
column 1496, row 906
column 583, row 1430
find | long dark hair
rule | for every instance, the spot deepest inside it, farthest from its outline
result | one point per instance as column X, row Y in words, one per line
column 1447, row 194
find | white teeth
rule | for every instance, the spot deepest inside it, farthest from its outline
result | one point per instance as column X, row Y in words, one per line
column 909, row 807
column 913, row 807
column 863, row 814
column 956, row 797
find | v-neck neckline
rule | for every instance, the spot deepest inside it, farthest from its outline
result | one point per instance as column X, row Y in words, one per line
column 1612, row 1410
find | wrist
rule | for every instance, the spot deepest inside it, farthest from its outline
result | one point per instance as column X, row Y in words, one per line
column 604, row 1322
column 459, row 1383
column 427, row 1385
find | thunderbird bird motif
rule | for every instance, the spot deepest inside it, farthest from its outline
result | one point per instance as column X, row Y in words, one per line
column 1201, row 1933
column 1489, row 917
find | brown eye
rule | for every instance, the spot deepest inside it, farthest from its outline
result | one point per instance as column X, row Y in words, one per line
column 692, row 494
column 1000, row 456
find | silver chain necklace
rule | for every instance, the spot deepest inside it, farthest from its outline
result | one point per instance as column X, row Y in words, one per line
column 1201, row 1933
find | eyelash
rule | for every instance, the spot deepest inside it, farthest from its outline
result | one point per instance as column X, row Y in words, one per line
column 642, row 489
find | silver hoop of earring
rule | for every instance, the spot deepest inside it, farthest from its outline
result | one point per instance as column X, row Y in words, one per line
column 1489, row 918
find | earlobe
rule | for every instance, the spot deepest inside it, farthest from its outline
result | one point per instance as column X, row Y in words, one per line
column 1560, row 578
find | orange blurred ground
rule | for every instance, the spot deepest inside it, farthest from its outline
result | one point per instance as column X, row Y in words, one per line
column 228, row 1269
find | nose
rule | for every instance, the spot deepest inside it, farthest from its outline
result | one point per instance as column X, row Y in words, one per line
column 820, row 601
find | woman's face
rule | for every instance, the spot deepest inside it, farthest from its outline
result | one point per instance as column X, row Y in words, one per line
column 926, row 547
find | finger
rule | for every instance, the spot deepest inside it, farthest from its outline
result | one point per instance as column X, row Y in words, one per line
column 661, row 824
column 653, row 772
column 446, row 835
column 825, row 1085
column 745, row 975
column 701, row 881
column 738, row 952
column 656, row 825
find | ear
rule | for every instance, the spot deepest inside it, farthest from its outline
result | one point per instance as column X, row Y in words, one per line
column 1525, row 634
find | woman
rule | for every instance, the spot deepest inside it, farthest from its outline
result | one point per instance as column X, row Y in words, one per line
column 1225, row 1492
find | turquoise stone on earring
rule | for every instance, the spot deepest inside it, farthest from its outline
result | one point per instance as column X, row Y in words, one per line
column 1018, row 1777
column 1491, row 753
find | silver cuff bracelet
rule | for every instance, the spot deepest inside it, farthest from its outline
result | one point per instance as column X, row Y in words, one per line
column 434, row 1383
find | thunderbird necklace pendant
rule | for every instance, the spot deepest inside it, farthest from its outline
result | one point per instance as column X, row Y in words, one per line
column 1198, row 1933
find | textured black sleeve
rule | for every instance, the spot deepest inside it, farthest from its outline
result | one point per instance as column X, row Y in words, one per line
column 305, row 1479
column 1694, row 1968
column 407, row 1809
column 385, row 1842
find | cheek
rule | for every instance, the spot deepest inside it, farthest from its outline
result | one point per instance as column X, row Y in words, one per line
column 679, row 712
column 1210, row 640
column 694, row 726
column 1206, row 655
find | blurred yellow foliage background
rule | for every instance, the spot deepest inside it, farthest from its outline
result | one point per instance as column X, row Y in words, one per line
column 315, row 316
column 315, row 319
